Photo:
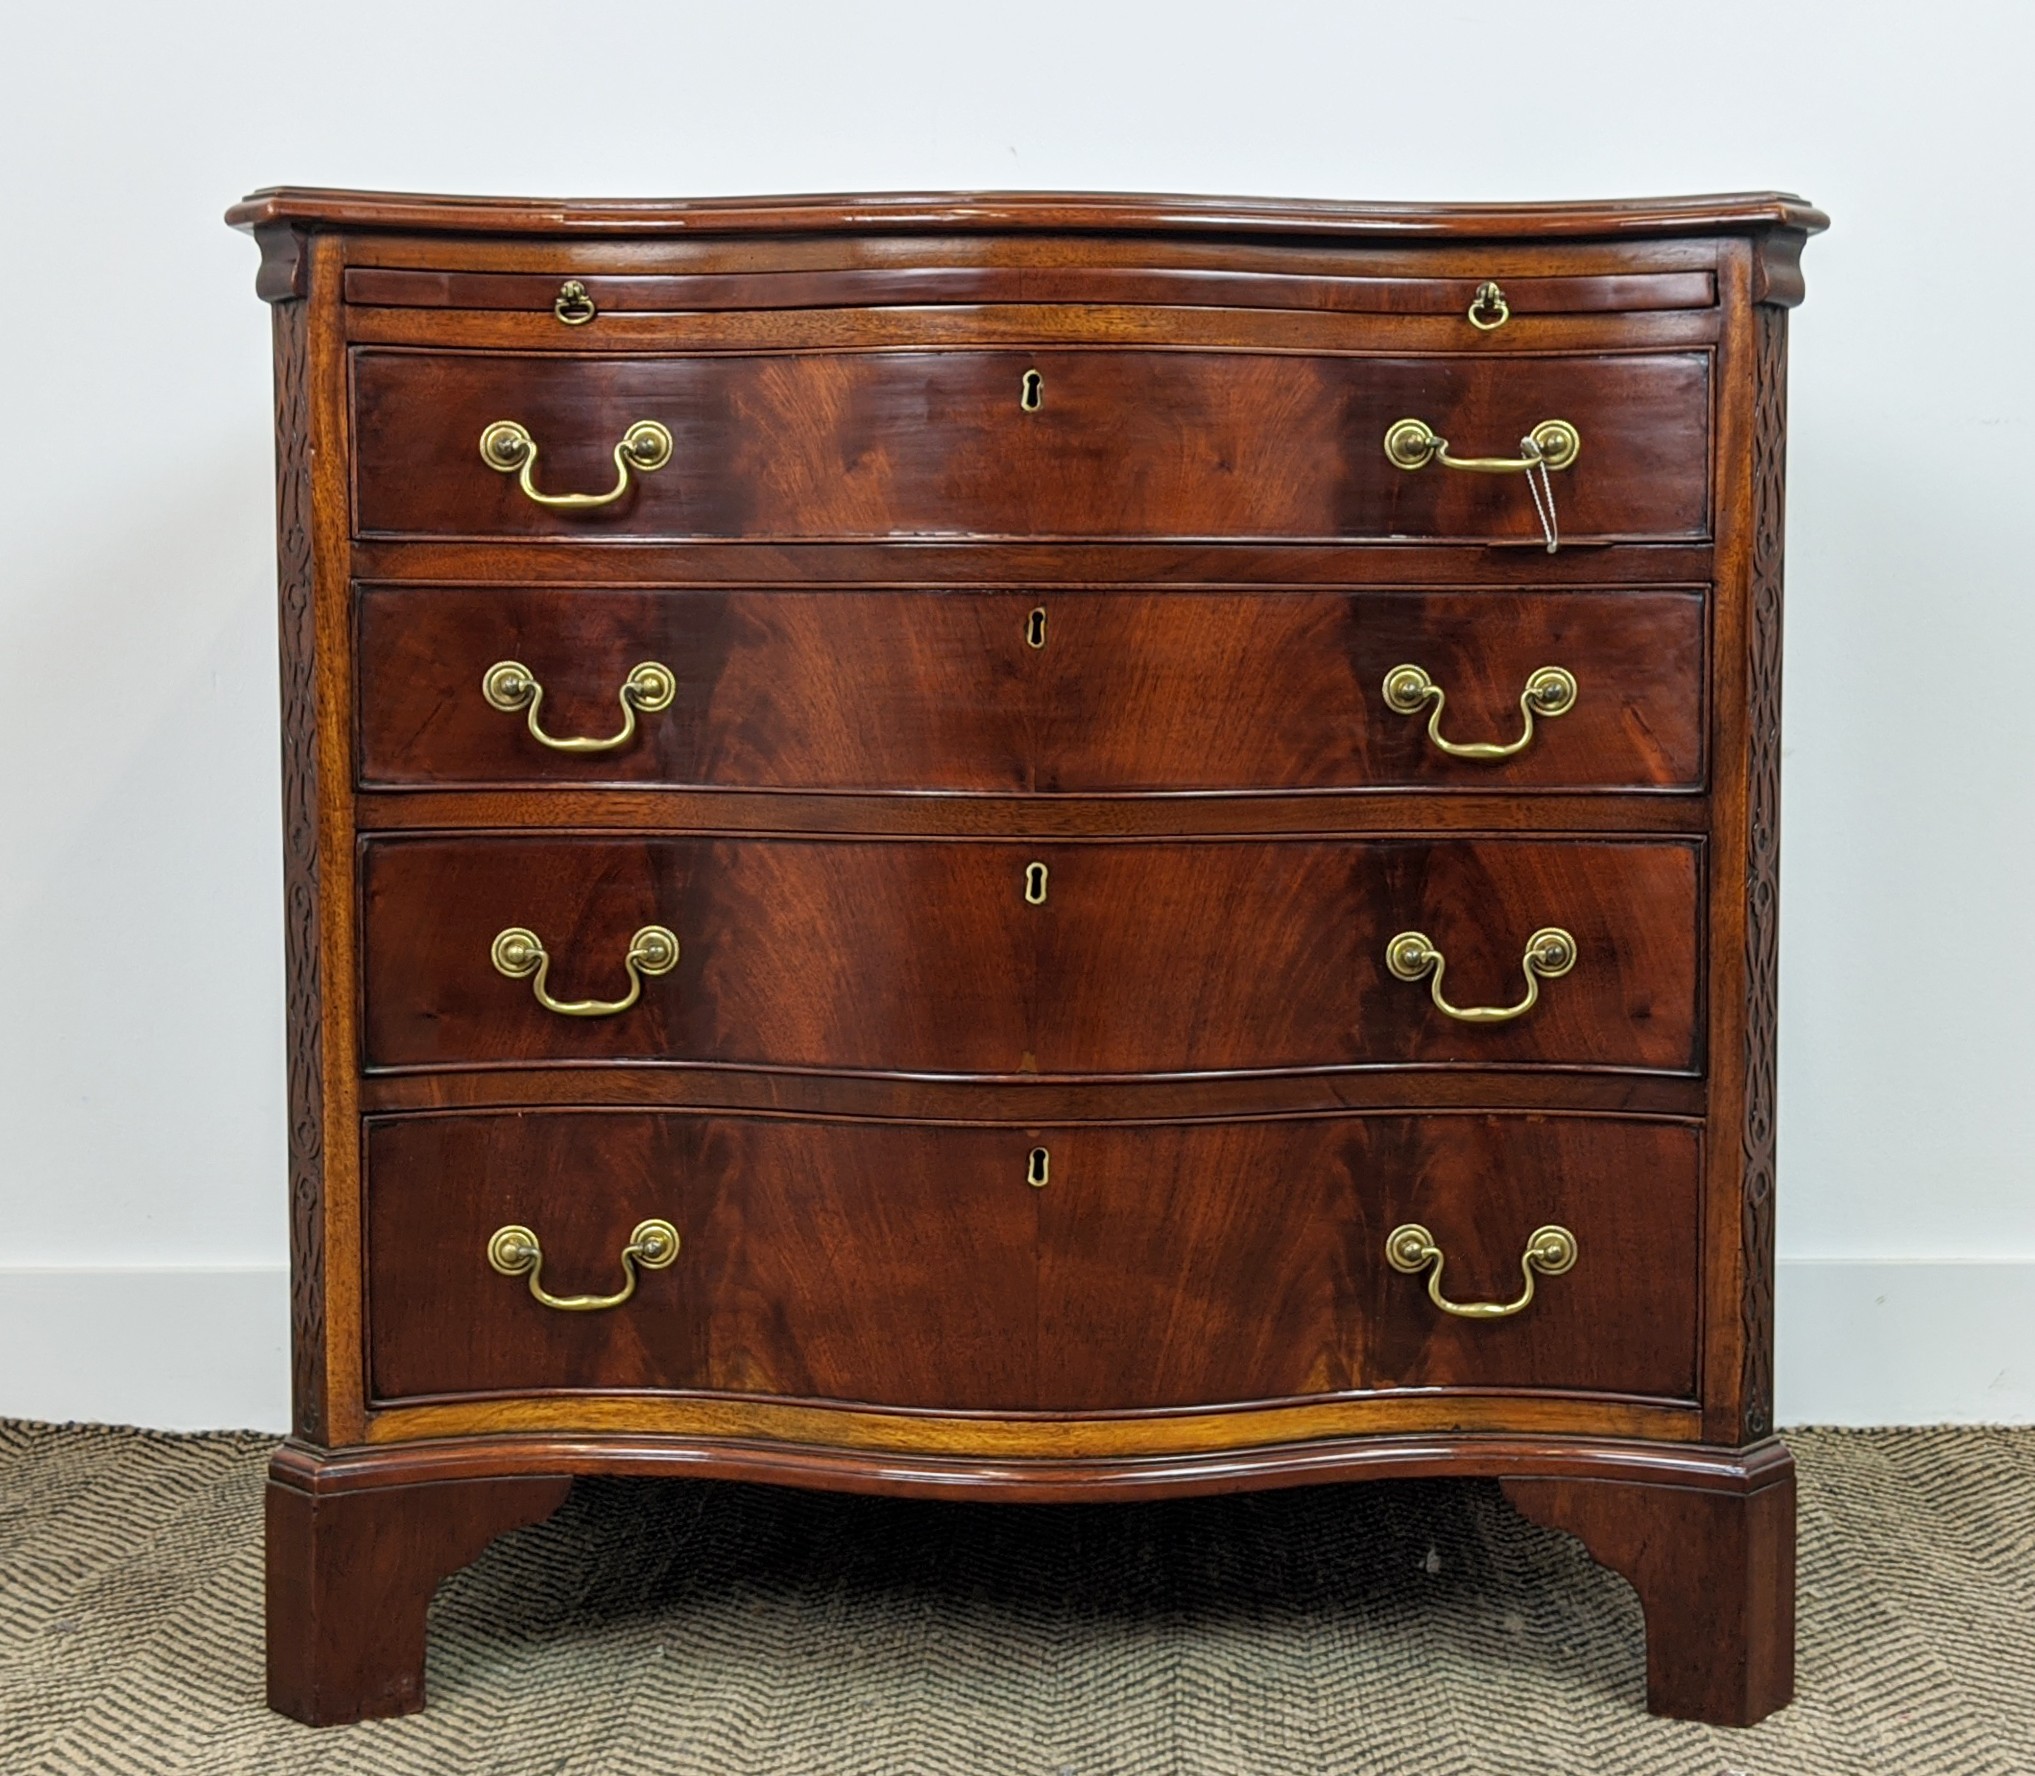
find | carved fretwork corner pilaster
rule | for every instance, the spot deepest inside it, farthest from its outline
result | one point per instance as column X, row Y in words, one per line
column 1763, row 860
column 306, row 1061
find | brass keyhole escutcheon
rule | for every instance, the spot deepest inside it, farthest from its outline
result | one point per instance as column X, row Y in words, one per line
column 1038, row 1168
column 1035, row 884
column 574, row 306
column 1032, row 391
column 1035, row 628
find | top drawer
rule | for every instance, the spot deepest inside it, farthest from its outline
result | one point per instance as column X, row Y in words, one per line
column 1063, row 443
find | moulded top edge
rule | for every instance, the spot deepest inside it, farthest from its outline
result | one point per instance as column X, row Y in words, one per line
column 996, row 211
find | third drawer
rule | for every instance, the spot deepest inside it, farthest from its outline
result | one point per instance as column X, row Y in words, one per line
column 1027, row 958
column 1057, row 691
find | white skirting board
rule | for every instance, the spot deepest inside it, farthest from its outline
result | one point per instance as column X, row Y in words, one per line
column 1905, row 1342
column 204, row 1348
column 178, row 1348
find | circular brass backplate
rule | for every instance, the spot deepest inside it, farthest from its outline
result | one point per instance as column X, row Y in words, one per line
column 1559, row 442
column 1409, row 1247
column 1406, row 689
column 1552, row 1249
column 1551, row 951
column 1552, row 691
column 654, row 950
column 508, row 685
column 654, row 1244
column 504, row 445
column 651, row 686
column 648, row 445
column 1410, row 955
column 1411, row 443
column 516, row 952
column 513, row 1250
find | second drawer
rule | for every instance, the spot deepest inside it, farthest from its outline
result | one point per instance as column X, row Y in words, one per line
column 1022, row 958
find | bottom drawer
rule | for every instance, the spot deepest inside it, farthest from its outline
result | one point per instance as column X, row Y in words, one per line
column 923, row 1266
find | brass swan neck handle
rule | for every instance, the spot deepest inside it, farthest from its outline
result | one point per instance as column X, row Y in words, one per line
column 515, row 1251
column 1552, row 445
column 509, row 685
column 508, row 448
column 1549, row 1251
column 1550, row 692
column 1550, row 953
column 519, row 954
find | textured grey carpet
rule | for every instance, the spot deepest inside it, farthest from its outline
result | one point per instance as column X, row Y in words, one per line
column 1416, row 1630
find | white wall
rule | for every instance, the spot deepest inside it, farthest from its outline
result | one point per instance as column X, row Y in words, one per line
column 141, row 1097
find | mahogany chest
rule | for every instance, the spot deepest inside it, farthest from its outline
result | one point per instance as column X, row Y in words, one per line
column 1032, row 847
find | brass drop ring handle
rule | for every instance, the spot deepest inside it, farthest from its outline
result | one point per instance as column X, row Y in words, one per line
column 1551, row 691
column 514, row 1251
column 1411, row 1249
column 509, row 449
column 518, row 954
column 1413, row 444
column 1550, row 953
column 575, row 307
column 509, row 686
column 1488, row 310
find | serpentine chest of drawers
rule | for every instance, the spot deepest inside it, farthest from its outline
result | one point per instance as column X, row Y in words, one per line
column 1029, row 848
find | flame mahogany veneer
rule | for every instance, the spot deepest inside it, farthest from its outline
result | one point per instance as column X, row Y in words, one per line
column 1030, row 1093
